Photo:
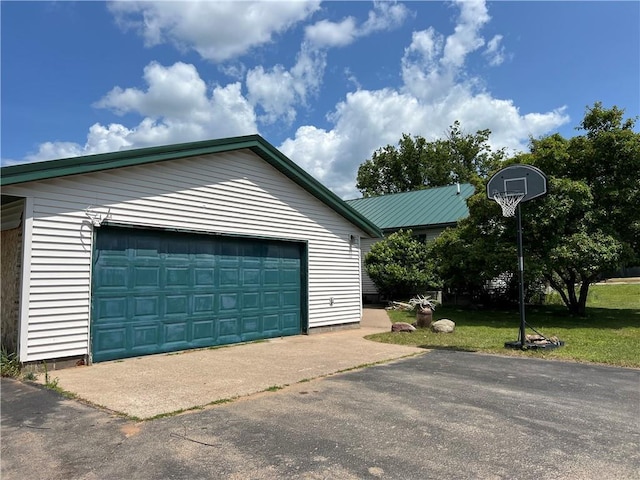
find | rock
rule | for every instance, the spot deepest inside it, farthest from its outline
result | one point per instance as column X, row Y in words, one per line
column 402, row 327
column 443, row 326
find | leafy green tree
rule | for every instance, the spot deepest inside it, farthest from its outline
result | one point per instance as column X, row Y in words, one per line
column 607, row 159
column 587, row 225
column 400, row 265
column 570, row 246
column 482, row 247
column 417, row 164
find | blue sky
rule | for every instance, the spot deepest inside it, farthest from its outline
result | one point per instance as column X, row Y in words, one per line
column 325, row 82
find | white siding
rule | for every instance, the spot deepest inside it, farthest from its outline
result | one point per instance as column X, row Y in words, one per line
column 368, row 287
column 236, row 193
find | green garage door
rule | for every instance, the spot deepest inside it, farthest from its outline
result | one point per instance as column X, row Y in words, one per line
column 156, row 291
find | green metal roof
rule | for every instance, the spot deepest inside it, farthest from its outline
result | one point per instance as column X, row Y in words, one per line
column 29, row 172
column 420, row 208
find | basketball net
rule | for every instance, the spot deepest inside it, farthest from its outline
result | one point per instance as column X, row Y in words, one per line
column 508, row 202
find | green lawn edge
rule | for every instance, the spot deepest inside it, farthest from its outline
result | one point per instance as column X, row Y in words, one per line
column 608, row 335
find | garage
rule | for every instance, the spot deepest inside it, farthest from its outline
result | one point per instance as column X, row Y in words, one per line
column 175, row 247
column 155, row 291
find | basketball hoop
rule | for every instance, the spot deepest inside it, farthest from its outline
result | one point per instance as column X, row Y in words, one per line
column 508, row 201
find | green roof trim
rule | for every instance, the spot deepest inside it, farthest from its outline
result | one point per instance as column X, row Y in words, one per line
column 29, row 172
column 437, row 206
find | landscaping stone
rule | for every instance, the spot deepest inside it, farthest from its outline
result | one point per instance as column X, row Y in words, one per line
column 443, row 326
column 402, row 327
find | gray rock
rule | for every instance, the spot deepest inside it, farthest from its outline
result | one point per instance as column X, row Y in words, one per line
column 443, row 326
column 402, row 327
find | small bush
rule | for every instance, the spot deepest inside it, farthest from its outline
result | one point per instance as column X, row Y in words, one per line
column 401, row 266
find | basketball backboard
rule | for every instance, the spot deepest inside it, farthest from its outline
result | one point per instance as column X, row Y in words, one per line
column 517, row 180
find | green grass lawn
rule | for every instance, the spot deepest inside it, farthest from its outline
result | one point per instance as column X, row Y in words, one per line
column 610, row 334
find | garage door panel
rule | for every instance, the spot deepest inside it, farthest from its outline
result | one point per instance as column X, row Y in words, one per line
column 111, row 341
column 177, row 305
column 205, row 277
column 271, row 299
column 250, row 277
column 175, row 333
column 159, row 292
column 228, row 303
column 144, row 337
column 146, row 277
column 147, row 306
column 114, row 309
column 271, row 324
column 290, row 299
column 251, row 327
column 112, row 276
column 290, row 321
column 177, row 277
column 229, row 329
column 229, row 277
column 203, row 332
column 204, row 303
column 250, row 301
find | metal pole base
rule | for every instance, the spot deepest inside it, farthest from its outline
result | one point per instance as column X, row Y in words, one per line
column 517, row 345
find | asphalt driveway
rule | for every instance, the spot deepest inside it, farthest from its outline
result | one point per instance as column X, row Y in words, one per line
column 440, row 415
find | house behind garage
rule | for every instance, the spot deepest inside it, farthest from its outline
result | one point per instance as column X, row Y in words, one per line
column 427, row 213
column 170, row 248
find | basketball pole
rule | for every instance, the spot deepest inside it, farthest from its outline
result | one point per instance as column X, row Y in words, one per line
column 521, row 280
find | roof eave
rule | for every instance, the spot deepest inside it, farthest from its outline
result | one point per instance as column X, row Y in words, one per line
column 22, row 173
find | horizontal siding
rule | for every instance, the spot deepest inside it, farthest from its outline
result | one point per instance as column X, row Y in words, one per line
column 368, row 287
column 235, row 193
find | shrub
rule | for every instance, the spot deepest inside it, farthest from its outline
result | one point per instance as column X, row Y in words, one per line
column 401, row 266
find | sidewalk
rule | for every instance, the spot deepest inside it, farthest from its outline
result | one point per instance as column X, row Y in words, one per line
column 147, row 386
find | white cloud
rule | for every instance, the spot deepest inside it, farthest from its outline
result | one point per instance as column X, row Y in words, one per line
column 279, row 91
column 332, row 34
column 51, row 150
column 436, row 92
column 217, row 30
column 466, row 37
column 384, row 16
column 363, row 122
column 495, row 51
column 176, row 107
column 176, row 91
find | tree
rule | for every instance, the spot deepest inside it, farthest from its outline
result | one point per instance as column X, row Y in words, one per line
column 567, row 242
column 607, row 160
column 417, row 164
column 587, row 225
column 400, row 265
column 479, row 249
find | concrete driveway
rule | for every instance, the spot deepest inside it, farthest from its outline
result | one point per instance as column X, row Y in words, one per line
column 446, row 415
column 154, row 385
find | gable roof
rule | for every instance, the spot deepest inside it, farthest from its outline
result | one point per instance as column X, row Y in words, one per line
column 421, row 208
column 28, row 172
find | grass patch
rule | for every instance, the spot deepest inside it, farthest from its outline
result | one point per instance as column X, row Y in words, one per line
column 169, row 414
column 609, row 334
column 9, row 364
column 274, row 388
column 607, row 296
